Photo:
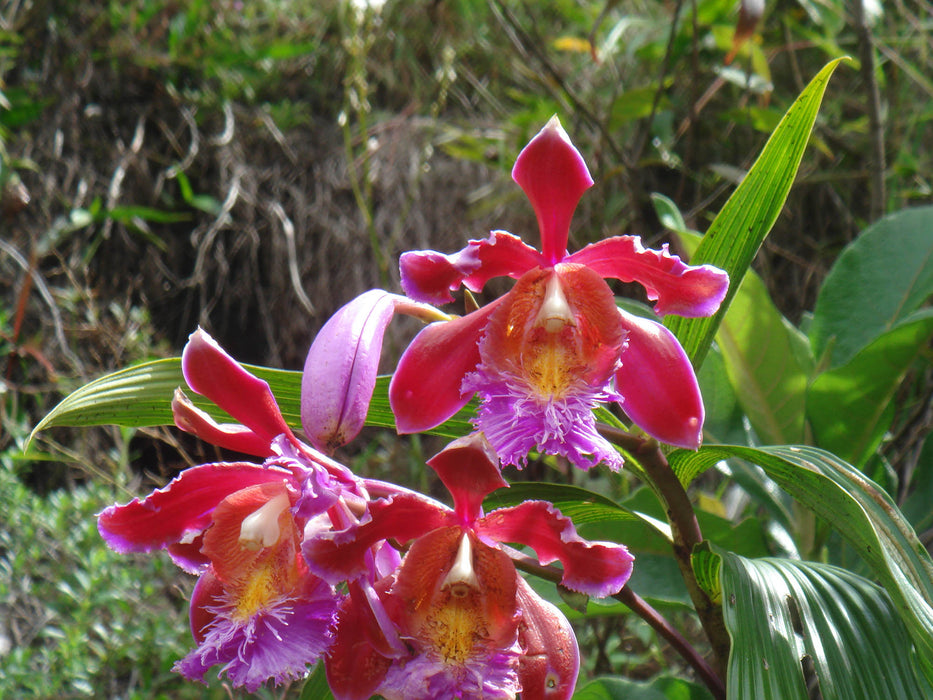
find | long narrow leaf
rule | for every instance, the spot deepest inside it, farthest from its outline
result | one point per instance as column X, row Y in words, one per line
column 747, row 217
column 141, row 396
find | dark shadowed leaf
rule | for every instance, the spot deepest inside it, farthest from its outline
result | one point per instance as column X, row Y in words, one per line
column 877, row 281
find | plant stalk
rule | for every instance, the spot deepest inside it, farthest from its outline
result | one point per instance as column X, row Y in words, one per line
column 685, row 531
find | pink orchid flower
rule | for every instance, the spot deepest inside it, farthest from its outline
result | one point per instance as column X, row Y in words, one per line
column 546, row 353
column 455, row 619
column 256, row 609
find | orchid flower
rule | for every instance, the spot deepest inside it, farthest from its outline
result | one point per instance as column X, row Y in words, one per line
column 546, row 353
column 455, row 619
column 257, row 609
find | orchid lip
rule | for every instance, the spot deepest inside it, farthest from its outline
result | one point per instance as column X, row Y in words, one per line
column 261, row 527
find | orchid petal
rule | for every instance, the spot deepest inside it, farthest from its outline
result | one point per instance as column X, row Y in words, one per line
column 206, row 598
column 658, row 385
column 354, row 667
column 183, row 509
column 231, row 436
column 431, row 277
column 469, row 469
column 550, row 660
column 595, row 568
column 340, row 370
column 275, row 643
column 554, row 176
column 425, row 390
column 211, row 372
column 339, row 556
column 678, row 288
column 233, row 560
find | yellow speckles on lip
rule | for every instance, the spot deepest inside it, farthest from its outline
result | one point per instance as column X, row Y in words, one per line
column 550, row 365
column 455, row 627
column 256, row 593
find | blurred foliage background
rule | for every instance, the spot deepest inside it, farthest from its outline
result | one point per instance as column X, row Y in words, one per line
column 251, row 166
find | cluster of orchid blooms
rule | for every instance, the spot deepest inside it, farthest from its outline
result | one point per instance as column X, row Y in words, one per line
column 300, row 560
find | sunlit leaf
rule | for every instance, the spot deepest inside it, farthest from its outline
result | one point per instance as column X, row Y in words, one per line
column 746, row 218
column 762, row 356
column 767, row 360
column 141, row 396
column 798, row 626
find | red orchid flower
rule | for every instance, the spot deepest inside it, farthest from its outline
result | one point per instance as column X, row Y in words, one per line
column 456, row 619
column 256, row 609
column 542, row 356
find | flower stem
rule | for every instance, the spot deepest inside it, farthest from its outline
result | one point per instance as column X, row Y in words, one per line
column 684, row 528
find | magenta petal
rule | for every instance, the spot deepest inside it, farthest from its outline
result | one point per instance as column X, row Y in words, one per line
column 231, row 436
column 554, row 176
column 341, row 367
column 595, row 568
column 430, row 277
column 181, row 510
column 425, row 389
column 550, row 660
column 211, row 372
column 341, row 555
column 469, row 468
column 658, row 385
column 678, row 288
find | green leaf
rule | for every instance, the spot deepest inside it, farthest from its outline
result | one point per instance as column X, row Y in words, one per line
column 316, row 687
column 141, row 396
column 877, row 281
column 797, row 624
column 578, row 504
column 635, row 104
column 851, row 406
column 861, row 512
column 706, row 567
column 660, row 688
column 746, row 218
column 767, row 361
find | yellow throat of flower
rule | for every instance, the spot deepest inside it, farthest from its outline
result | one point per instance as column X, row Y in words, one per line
column 456, row 624
column 258, row 591
column 549, row 356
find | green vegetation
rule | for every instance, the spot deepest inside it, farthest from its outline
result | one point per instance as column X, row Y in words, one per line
column 252, row 166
